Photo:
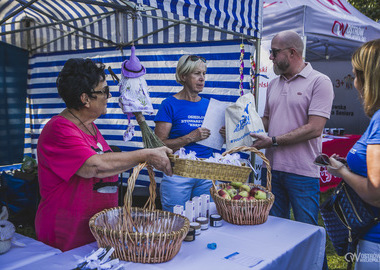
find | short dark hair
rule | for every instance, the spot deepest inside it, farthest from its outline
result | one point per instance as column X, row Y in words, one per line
column 79, row 76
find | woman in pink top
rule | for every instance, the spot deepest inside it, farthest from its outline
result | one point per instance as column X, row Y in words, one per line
column 73, row 158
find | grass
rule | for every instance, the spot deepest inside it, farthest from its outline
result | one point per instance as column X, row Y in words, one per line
column 334, row 261
column 27, row 231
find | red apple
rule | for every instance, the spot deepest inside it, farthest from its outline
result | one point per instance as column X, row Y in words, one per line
column 229, row 187
column 237, row 197
column 253, row 191
column 221, row 192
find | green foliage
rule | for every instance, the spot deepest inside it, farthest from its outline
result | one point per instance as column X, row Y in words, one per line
column 370, row 8
column 29, row 165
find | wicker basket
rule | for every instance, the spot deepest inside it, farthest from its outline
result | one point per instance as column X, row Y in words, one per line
column 208, row 170
column 245, row 212
column 141, row 235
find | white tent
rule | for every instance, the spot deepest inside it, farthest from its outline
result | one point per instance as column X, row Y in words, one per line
column 333, row 28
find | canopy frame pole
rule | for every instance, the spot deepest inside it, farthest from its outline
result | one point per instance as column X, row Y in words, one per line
column 51, row 24
column 256, row 95
column 127, row 6
column 23, row 6
column 257, row 70
column 239, row 35
column 151, row 33
column 70, row 33
column 147, row 8
column 70, row 25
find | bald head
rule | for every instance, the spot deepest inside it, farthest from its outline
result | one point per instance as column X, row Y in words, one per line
column 290, row 39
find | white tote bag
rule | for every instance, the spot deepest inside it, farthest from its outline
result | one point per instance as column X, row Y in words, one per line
column 241, row 120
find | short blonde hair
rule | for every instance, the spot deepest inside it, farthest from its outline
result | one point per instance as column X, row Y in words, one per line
column 185, row 66
column 366, row 63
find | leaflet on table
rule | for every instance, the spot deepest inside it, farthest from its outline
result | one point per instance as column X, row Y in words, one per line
column 244, row 259
column 214, row 120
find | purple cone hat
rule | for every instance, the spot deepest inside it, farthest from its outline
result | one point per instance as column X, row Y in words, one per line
column 132, row 68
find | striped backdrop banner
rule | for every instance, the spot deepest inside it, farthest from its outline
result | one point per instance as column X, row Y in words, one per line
column 222, row 83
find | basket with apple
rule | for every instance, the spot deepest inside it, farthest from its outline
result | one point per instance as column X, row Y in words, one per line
column 244, row 203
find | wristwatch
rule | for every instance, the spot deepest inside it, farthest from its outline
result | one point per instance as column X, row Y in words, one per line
column 274, row 141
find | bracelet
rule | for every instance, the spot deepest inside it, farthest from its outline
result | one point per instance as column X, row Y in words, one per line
column 274, row 141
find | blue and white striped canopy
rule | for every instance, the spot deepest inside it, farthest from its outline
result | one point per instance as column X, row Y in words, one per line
column 84, row 24
column 222, row 83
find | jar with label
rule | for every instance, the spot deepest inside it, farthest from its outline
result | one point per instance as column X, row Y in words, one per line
column 215, row 220
column 196, row 226
column 190, row 235
column 203, row 221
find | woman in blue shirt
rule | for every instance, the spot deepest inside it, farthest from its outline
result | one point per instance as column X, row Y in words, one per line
column 363, row 174
column 178, row 124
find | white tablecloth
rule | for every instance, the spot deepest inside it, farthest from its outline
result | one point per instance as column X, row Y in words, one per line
column 19, row 256
column 279, row 243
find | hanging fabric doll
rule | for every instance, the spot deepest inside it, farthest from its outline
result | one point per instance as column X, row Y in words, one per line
column 134, row 97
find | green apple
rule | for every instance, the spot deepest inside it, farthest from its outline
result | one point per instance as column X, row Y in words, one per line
column 236, row 184
column 244, row 193
column 260, row 195
column 232, row 192
column 245, row 187
column 227, row 196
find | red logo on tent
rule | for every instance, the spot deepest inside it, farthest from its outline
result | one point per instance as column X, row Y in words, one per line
column 265, row 5
column 339, row 29
column 348, row 31
column 336, row 3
